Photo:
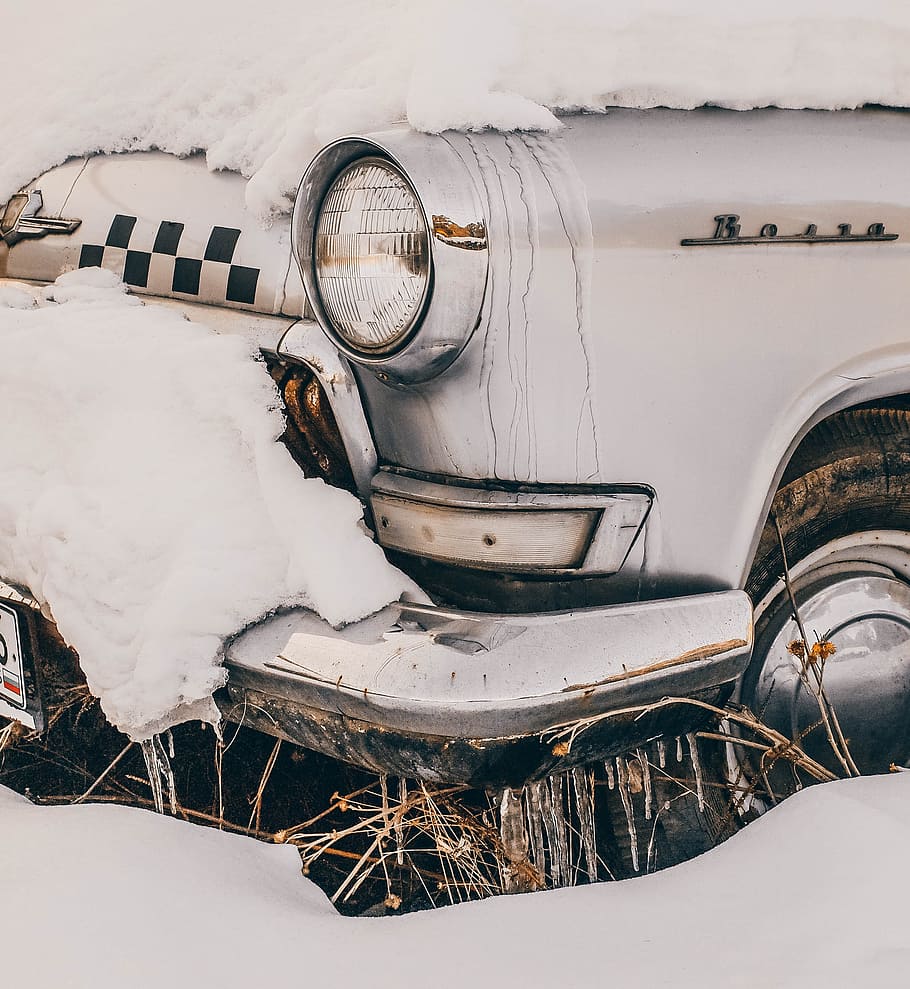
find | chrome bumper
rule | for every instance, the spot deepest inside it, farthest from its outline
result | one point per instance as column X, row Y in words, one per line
column 466, row 697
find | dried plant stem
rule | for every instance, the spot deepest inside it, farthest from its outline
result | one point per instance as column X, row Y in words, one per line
column 103, row 776
column 829, row 718
column 425, row 823
column 778, row 745
column 256, row 815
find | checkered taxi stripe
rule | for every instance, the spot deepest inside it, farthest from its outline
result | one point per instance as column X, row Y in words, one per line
column 213, row 277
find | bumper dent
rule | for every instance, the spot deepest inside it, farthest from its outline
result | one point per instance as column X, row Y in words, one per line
column 466, row 697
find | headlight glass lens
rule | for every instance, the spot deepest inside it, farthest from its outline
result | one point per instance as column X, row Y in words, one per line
column 371, row 255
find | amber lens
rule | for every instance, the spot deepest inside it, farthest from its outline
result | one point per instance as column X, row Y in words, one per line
column 372, row 256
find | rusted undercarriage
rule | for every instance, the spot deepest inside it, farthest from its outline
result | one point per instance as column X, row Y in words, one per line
column 485, row 762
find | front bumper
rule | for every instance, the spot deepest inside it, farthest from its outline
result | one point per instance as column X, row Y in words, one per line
column 465, row 697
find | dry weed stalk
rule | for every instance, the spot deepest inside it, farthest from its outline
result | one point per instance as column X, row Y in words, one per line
column 78, row 696
column 812, row 669
column 427, row 829
column 773, row 745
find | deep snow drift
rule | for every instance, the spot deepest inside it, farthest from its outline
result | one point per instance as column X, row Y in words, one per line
column 260, row 86
column 145, row 498
column 810, row 895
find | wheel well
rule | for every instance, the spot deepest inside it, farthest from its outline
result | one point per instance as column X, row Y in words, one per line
column 882, row 424
column 827, row 483
column 841, row 433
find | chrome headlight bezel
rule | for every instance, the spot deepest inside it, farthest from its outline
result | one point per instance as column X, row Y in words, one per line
column 456, row 283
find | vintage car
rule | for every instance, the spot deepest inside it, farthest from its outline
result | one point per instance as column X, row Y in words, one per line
column 588, row 386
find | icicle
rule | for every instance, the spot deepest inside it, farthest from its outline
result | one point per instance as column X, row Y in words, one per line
column 662, row 753
column 147, row 745
column 563, row 837
column 545, row 799
column 696, row 769
column 557, row 834
column 584, row 803
column 159, row 770
column 565, row 805
column 679, row 752
column 611, row 776
column 646, row 780
column 511, row 826
column 514, row 836
column 534, row 814
column 633, row 776
column 169, row 776
column 622, row 780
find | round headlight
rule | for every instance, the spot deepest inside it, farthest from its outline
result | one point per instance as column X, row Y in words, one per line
column 371, row 257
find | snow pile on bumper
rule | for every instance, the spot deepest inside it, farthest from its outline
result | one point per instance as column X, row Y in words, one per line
column 144, row 498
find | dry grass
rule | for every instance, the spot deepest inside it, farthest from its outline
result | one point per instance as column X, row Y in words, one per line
column 451, row 849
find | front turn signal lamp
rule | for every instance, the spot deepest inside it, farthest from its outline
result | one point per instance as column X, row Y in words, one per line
column 587, row 530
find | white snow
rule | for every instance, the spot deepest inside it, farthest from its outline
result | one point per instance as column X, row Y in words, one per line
column 261, row 86
column 811, row 895
column 144, row 498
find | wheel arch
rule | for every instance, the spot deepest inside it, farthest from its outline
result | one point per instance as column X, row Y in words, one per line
column 881, row 382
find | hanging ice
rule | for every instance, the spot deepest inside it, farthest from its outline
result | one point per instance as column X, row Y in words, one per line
column 535, row 819
column 514, row 837
column 160, row 772
column 622, row 775
column 645, row 779
column 583, row 781
column 611, row 776
column 696, row 769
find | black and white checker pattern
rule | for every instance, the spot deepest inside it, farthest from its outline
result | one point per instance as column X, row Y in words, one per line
column 212, row 278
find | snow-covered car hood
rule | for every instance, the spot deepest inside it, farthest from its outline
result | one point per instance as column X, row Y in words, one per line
column 261, row 90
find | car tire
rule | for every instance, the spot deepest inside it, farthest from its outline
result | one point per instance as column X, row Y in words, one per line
column 843, row 512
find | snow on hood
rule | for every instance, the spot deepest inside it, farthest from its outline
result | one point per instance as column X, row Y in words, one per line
column 261, row 86
column 144, row 496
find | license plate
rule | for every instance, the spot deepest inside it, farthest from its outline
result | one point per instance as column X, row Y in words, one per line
column 15, row 702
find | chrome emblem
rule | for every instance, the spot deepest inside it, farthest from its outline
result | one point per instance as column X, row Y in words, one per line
column 727, row 231
column 19, row 219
